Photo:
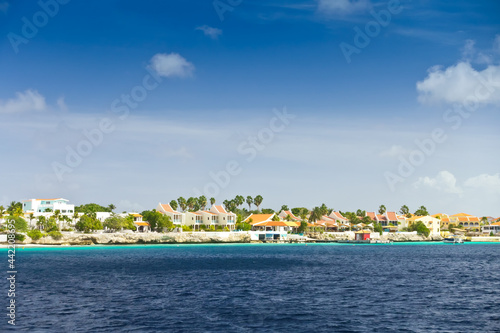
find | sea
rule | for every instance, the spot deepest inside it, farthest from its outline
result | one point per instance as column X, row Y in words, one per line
column 400, row 287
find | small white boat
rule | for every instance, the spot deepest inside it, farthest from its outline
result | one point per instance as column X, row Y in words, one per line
column 453, row 240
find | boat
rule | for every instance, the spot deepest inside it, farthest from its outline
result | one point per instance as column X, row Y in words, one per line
column 452, row 239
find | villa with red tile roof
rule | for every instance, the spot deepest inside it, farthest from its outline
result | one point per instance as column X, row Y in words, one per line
column 465, row 220
column 264, row 222
column 284, row 213
column 176, row 217
column 338, row 217
column 493, row 227
column 386, row 219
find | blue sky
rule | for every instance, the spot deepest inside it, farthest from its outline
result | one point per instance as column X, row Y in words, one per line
column 218, row 82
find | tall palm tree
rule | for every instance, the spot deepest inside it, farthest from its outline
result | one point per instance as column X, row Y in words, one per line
column 190, row 203
column 111, row 207
column 173, row 204
column 202, row 201
column 382, row 209
column 257, row 201
column 249, row 202
column 30, row 217
column 182, row 203
column 40, row 223
column 315, row 214
column 240, row 200
column 226, row 204
column 212, row 201
column 404, row 210
column 57, row 216
column 75, row 217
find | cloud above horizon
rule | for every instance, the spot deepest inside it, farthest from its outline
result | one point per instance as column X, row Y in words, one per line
column 211, row 32
column 445, row 181
column 171, row 65
column 29, row 100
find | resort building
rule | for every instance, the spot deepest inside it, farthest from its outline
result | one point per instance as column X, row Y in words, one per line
column 432, row 223
column 492, row 228
column 266, row 222
column 39, row 206
column 339, row 218
column 387, row 219
column 465, row 220
column 140, row 225
column 176, row 217
column 288, row 215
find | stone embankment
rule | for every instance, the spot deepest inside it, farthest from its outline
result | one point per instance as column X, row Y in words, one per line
column 142, row 238
column 394, row 237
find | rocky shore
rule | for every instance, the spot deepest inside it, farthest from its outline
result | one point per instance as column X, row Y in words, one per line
column 394, row 237
column 141, row 238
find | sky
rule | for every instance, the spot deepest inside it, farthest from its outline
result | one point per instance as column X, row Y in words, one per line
column 349, row 103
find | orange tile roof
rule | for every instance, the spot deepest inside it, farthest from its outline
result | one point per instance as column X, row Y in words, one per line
column 496, row 223
column 460, row 214
column 167, row 208
column 142, row 223
column 392, row 216
column 371, row 215
column 257, row 218
column 287, row 212
column 220, row 209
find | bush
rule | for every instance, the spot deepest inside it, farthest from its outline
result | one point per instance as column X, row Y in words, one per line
column 226, row 229
column 244, row 226
column 55, row 235
column 35, row 234
column 186, row 228
column 20, row 237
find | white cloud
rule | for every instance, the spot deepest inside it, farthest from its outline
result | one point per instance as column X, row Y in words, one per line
column 171, row 65
column 213, row 33
column 343, row 6
column 30, row 100
column 445, row 181
column 496, row 44
column 468, row 50
column 394, row 151
column 61, row 104
column 485, row 182
column 460, row 83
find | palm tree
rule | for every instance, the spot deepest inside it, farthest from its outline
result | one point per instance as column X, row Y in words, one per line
column 191, row 202
column 382, row 209
column 75, row 217
column 2, row 212
column 58, row 218
column 111, row 207
column 202, row 201
column 30, row 217
column 315, row 214
column 212, row 201
column 240, row 200
column 284, row 207
column 226, row 204
column 40, row 223
column 182, row 203
column 257, row 201
column 249, row 202
column 421, row 211
column 324, row 209
column 173, row 204
column 404, row 210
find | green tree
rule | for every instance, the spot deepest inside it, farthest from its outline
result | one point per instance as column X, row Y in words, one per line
column 111, row 207
column 202, row 201
column 243, row 226
column 239, row 200
column 173, row 204
column 35, row 234
column 40, row 222
column 404, row 210
column 15, row 208
column 257, row 201
column 212, row 201
column 88, row 223
column 91, row 208
column 360, row 212
column 20, row 224
column 382, row 209
column 114, row 223
column 421, row 211
column 276, row 217
column 284, row 207
column 378, row 228
column 191, row 202
column 303, row 226
column 182, row 203
column 420, row 228
column 324, row 210
column 315, row 214
column 249, row 202
column 157, row 221
column 57, row 216
column 267, row 211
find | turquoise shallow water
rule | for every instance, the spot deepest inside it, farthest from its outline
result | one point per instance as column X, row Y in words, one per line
column 404, row 287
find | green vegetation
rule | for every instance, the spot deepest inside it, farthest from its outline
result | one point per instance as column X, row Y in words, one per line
column 55, row 234
column 382, row 209
column 377, row 227
column 88, row 223
column 157, row 221
column 93, row 208
column 267, row 211
column 20, row 224
column 303, row 227
column 421, row 211
column 420, row 228
column 404, row 210
column 35, row 234
column 20, row 237
column 243, row 226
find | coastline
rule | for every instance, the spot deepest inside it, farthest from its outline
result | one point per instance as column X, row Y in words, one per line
column 175, row 238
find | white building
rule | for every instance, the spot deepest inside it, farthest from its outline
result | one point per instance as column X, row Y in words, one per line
column 40, row 206
column 177, row 218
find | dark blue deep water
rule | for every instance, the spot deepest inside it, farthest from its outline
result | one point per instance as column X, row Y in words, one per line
column 259, row 288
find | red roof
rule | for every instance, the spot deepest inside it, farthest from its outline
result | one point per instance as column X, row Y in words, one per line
column 392, row 216
column 371, row 215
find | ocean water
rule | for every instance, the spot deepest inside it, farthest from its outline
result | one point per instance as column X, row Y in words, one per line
column 259, row 288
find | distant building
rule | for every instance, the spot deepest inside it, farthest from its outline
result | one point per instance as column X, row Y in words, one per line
column 40, row 206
